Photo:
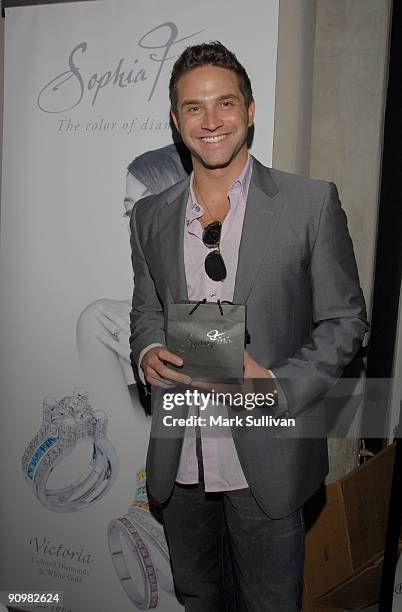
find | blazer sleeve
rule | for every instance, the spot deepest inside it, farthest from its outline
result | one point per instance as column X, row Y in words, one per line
column 146, row 316
column 339, row 314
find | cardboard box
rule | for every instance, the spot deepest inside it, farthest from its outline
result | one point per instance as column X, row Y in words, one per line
column 358, row 591
column 347, row 534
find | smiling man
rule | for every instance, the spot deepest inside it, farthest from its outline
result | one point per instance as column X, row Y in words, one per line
column 285, row 251
column 213, row 118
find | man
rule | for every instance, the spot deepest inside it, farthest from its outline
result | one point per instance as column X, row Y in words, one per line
column 288, row 255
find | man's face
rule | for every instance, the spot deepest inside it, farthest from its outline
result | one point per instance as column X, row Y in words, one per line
column 212, row 117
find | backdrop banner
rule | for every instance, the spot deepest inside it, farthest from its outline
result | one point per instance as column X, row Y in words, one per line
column 86, row 134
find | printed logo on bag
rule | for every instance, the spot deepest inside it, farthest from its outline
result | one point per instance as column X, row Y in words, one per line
column 213, row 337
column 219, row 338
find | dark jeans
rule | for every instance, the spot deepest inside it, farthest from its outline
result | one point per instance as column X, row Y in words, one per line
column 227, row 555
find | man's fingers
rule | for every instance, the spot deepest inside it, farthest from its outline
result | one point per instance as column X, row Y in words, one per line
column 157, row 360
column 161, row 353
column 231, row 388
column 156, row 367
column 157, row 382
column 170, row 374
column 153, row 378
column 169, row 357
column 217, row 387
column 206, row 386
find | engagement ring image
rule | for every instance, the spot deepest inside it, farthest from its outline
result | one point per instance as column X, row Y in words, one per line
column 142, row 537
column 65, row 424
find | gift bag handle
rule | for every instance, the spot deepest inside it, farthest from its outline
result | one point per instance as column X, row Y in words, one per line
column 196, row 306
column 204, row 301
column 219, row 302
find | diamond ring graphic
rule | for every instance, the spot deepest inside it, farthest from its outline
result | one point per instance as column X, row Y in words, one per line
column 146, row 542
column 65, row 424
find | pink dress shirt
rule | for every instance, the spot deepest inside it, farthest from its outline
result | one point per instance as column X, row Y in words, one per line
column 222, row 469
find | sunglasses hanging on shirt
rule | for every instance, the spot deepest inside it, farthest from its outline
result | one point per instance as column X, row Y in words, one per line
column 214, row 264
column 211, row 237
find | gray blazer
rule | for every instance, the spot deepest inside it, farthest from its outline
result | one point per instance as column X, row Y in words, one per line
column 305, row 315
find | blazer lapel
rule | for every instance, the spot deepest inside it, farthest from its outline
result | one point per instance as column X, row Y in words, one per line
column 171, row 238
column 263, row 210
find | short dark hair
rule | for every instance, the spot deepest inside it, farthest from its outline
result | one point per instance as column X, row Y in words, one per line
column 212, row 53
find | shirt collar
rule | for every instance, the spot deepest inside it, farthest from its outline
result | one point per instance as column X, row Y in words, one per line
column 244, row 178
column 194, row 210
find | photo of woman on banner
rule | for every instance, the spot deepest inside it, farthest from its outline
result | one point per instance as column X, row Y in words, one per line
column 103, row 327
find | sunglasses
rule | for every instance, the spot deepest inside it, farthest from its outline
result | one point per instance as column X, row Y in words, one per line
column 214, row 264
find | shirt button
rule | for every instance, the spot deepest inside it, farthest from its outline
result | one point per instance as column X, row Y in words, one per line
column 212, row 294
column 197, row 208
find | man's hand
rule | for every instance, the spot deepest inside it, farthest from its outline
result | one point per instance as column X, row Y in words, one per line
column 156, row 371
column 252, row 369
